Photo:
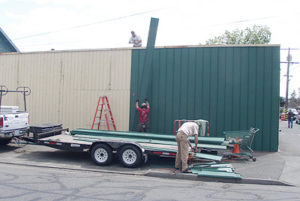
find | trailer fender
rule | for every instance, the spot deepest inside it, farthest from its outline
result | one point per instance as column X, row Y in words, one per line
column 96, row 143
column 134, row 144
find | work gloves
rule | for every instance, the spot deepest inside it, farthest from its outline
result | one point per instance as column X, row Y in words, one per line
column 146, row 100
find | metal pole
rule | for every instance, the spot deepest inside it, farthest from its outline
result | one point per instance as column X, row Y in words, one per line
column 24, row 101
column 0, row 98
column 287, row 80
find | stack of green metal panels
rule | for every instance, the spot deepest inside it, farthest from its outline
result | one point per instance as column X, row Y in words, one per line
column 204, row 142
column 147, row 139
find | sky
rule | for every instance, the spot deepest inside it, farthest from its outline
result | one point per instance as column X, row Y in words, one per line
column 42, row 25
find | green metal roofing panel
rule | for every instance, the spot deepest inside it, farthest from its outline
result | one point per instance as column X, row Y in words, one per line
column 234, row 88
column 204, row 142
column 152, row 32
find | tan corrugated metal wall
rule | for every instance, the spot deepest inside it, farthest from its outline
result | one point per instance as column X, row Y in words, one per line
column 66, row 85
column 8, row 72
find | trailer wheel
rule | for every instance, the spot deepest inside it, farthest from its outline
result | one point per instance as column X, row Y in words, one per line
column 5, row 141
column 130, row 156
column 102, row 154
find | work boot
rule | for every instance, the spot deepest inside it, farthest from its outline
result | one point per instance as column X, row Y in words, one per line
column 187, row 171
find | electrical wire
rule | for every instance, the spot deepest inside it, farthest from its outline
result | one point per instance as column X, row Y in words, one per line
column 243, row 21
column 86, row 25
column 51, row 43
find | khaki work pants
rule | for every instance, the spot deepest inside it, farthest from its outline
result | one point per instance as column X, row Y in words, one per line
column 183, row 151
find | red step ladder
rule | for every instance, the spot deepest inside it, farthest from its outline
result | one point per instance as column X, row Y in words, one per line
column 106, row 111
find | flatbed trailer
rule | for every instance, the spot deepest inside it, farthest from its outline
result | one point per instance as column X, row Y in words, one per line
column 132, row 148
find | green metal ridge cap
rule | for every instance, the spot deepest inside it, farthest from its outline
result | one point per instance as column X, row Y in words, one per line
column 208, row 156
column 159, row 149
column 126, row 138
column 213, row 140
column 197, row 155
column 217, row 174
column 138, row 134
column 216, row 140
column 219, row 169
column 139, row 140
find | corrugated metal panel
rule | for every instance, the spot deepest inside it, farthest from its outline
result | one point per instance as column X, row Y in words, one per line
column 8, row 77
column 66, row 85
column 232, row 87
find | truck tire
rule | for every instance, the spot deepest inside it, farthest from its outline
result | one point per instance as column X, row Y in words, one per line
column 102, row 154
column 130, row 156
column 5, row 141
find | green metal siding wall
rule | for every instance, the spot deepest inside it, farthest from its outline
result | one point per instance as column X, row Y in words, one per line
column 233, row 88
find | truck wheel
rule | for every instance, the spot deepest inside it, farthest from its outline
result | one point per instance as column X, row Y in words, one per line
column 102, row 154
column 130, row 156
column 5, row 141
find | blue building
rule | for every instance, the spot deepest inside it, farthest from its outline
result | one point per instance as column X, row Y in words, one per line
column 6, row 45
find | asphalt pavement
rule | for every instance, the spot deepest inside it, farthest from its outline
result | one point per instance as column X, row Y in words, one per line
column 277, row 168
column 35, row 183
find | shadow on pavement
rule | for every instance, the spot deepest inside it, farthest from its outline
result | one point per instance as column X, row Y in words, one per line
column 36, row 155
column 7, row 148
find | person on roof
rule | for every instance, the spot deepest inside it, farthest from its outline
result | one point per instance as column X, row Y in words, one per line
column 144, row 110
column 187, row 130
column 135, row 40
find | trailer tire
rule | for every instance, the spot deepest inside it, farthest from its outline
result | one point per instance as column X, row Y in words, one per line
column 5, row 141
column 102, row 154
column 130, row 156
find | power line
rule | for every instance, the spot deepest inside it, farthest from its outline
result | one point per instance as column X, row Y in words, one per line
column 289, row 48
column 51, row 43
column 243, row 21
column 85, row 25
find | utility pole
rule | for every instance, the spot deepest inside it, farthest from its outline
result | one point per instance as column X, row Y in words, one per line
column 289, row 62
column 289, row 59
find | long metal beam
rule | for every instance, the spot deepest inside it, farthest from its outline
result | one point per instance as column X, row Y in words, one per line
column 151, row 136
column 144, row 80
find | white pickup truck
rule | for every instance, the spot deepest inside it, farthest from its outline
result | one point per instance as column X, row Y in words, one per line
column 13, row 123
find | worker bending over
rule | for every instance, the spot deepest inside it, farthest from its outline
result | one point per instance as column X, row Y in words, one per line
column 144, row 110
column 186, row 130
